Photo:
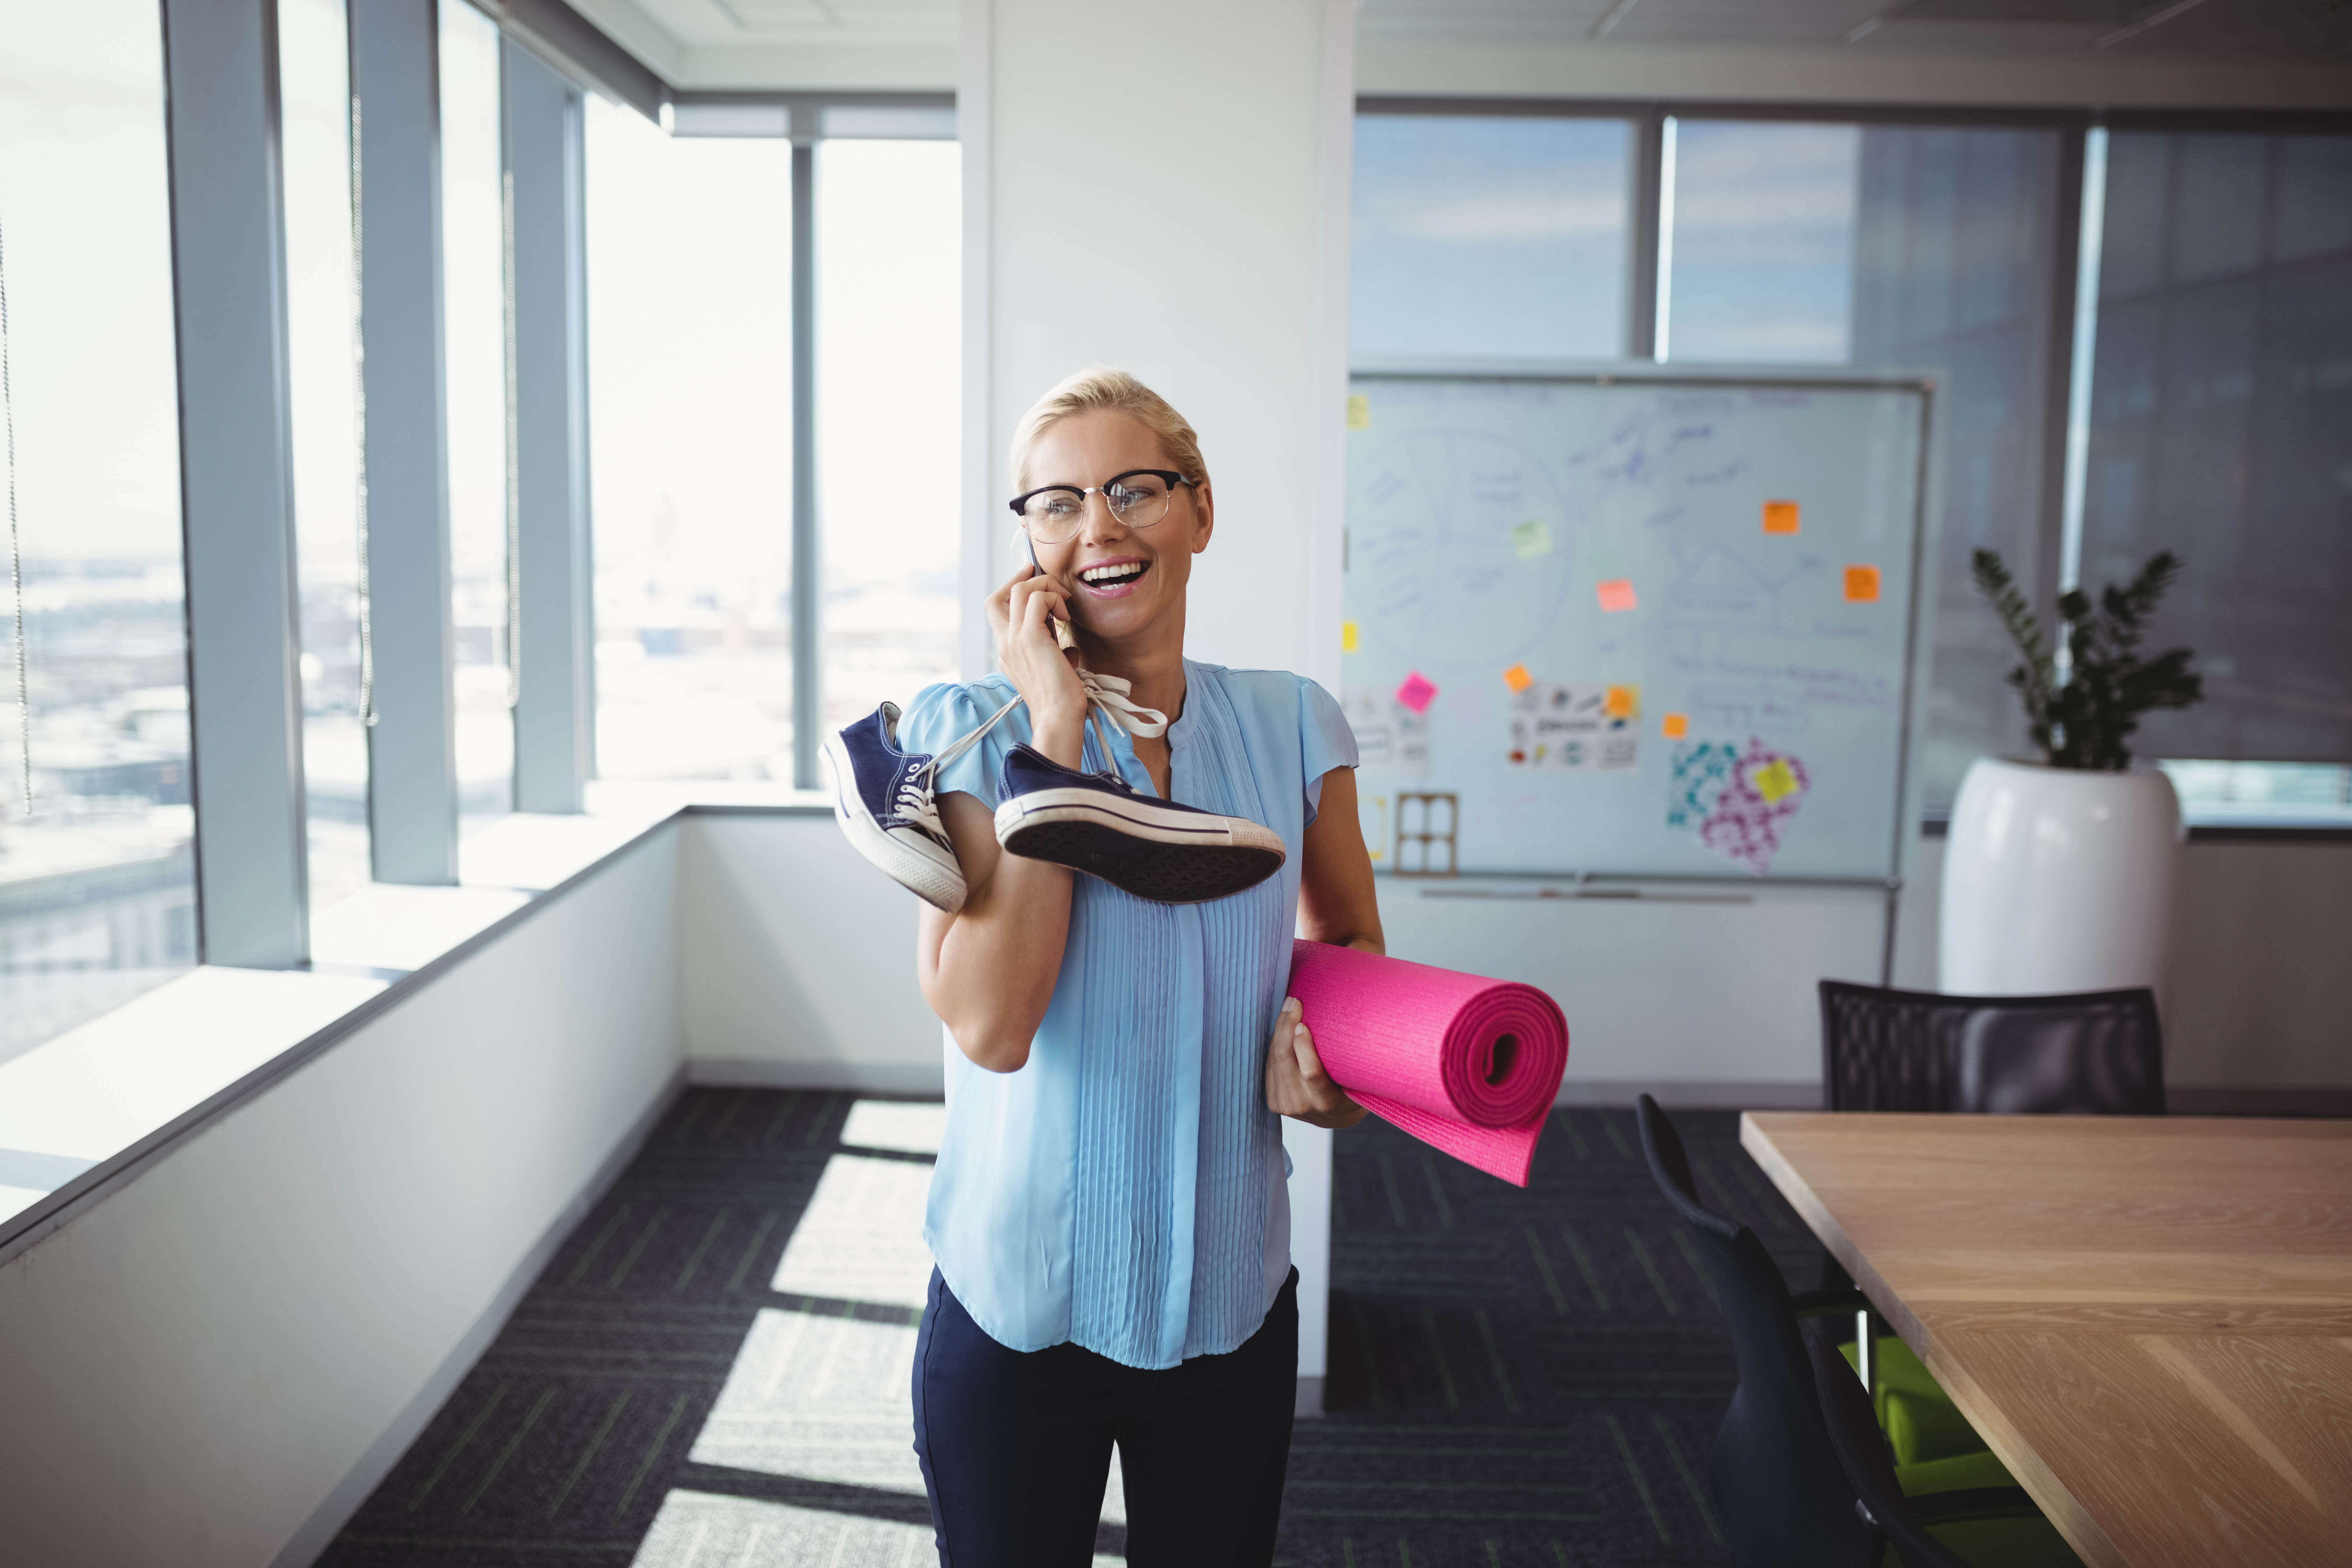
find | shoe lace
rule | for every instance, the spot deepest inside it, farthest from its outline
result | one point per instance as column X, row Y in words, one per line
column 917, row 804
column 1107, row 700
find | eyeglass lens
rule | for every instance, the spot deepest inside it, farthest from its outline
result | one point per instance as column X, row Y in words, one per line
column 1053, row 516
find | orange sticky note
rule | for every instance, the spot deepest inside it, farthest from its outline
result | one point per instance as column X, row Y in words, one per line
column 1622, row 702
column 1675, row 726
column 1518, row 679
column 1861, row 585
column 1615, row 595
column 1780, row 517
column 1346, row 636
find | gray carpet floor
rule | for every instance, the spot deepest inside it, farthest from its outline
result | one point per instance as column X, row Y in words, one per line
column 712, row 1372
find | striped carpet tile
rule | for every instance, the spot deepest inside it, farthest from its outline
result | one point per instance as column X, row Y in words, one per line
column 712, row 1372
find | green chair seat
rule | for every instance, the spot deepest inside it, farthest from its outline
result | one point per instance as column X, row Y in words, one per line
column 1993, row 1542
column 1919, row 1419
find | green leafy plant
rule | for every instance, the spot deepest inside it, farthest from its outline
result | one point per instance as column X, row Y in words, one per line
column 2083, row 715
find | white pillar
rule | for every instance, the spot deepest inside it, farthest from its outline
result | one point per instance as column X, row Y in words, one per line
column 1228, row 124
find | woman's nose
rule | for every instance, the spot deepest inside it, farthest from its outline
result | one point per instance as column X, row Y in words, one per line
column 1102, row 523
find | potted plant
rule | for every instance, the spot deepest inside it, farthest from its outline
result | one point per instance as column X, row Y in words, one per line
column 2059, row 871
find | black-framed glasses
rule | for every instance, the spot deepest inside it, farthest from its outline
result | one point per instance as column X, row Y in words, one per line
column 1138, row 499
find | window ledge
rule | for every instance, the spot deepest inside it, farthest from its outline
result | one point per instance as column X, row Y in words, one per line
column 89, row 1111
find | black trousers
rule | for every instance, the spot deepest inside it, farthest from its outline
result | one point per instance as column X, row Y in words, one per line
column 1015, row 1445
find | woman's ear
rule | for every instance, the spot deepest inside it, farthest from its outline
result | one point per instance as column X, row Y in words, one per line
column 1204, row 516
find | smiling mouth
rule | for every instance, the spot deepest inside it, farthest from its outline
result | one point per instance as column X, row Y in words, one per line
column 1116, row 574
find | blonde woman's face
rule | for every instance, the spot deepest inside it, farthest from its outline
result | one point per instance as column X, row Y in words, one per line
column 1122, row 581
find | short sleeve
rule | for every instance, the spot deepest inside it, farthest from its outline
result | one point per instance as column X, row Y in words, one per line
column 941, row 715
column 1325, row 740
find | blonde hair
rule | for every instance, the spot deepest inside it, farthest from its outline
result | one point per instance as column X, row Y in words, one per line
column 1099, row 388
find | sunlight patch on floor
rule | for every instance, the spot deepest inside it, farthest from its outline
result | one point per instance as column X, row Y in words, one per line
column 861, row 1238
column 909, row 1127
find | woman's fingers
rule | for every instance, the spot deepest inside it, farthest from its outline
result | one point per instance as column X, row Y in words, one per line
column 1310, row 1065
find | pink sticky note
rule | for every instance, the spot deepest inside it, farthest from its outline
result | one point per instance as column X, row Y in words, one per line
column 1417, row 692
column 1617, row 594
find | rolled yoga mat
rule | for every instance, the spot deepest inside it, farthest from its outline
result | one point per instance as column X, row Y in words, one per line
column 1467, row 1065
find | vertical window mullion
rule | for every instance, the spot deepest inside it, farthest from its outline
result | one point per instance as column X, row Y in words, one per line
column 1642, row 283
column 236, row 482
column 553, row 635
column 806, row 723
column 412, row 741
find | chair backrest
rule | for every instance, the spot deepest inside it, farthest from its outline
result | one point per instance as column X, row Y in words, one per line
column 1860, row 1449
column 1785, row 1498
column 2092, row 1053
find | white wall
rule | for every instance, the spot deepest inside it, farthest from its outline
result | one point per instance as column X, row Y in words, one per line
column 1227, row 124
column 798, row 961
column 189, row 1369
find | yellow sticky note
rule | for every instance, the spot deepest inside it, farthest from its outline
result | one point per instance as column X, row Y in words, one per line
column 1861, row 585
column 1359, row 412
column 1615, row 595
column 1780, row 517
column 1346, row 636
column 1518, row 679
column 1675, row 726
column 1773, row 780
column 1622, row 702
column 1531, row 539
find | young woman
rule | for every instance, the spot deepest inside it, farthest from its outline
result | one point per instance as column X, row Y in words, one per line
column 1110, row 1212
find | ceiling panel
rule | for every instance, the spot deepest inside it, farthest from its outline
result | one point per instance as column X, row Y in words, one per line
column 722, row 23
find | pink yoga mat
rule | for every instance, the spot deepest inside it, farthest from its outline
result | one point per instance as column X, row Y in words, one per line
column 1467, row 1065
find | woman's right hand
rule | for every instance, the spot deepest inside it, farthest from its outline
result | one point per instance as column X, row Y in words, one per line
column 1038, row 668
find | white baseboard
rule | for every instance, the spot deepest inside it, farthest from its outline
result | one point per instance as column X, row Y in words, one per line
column 1310, row 1400
column 926, row 1079
column 1697, row 1094
column 327, row 1520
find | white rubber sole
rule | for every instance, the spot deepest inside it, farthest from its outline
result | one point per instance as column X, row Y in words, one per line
column 1150, row 852
column 921, row 868
column 1136, row 819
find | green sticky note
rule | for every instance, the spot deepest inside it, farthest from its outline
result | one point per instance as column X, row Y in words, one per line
column 1530, row 539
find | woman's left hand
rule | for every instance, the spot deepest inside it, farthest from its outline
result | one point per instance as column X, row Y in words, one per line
column 1296, row 1083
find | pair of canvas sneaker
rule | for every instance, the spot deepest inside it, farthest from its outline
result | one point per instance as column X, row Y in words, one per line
column 885, row 801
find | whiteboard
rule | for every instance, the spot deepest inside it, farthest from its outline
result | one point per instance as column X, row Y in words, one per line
column 1657, row 627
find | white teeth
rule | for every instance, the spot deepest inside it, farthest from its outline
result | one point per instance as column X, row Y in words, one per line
column 1109, row 573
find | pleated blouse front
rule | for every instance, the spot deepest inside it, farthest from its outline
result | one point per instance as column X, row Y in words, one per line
column 1125, row 1190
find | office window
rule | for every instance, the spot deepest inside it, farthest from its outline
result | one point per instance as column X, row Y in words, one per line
column 1490, row 238
column 1954, row 232
column 97, row 895
column 1756, row 241
column 889, row 355
column 322, row 341
column 690, row 310
column 2220, row 427
column 474, row 334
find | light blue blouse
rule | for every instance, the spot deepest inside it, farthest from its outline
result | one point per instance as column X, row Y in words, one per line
column 1124, row 1190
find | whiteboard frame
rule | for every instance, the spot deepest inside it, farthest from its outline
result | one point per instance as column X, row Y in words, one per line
column 1926, row 535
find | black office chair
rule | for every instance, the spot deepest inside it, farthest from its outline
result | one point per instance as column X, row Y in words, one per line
column 2092, row 1053
column 1785, row 1498
column 1997, row 1524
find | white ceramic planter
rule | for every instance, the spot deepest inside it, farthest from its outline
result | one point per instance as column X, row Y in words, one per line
column 2057, row 880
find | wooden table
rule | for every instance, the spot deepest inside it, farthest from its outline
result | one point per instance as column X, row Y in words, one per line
column 2148, row 1318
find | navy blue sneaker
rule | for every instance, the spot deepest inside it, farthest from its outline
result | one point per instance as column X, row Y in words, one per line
column 1103, row 825
column 882, row 798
